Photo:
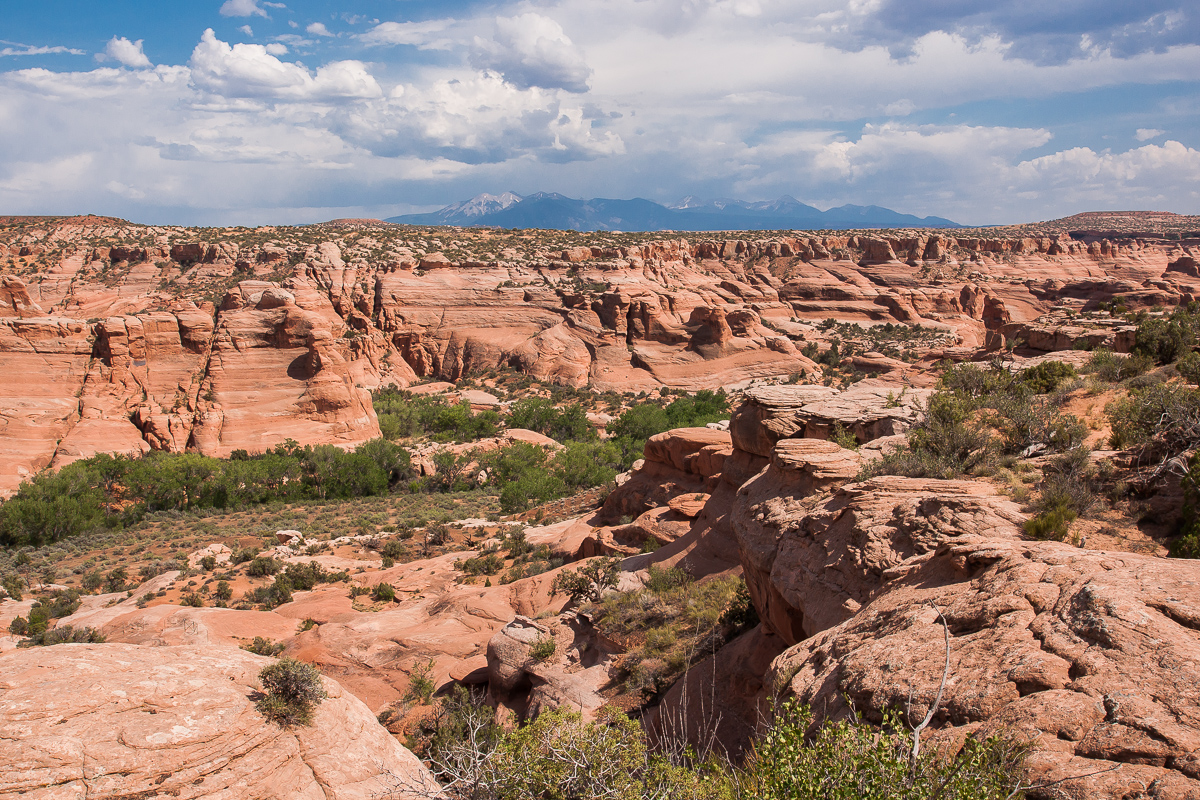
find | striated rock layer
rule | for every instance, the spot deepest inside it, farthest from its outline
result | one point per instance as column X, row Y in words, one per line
column 121, row 721
column 122, row 338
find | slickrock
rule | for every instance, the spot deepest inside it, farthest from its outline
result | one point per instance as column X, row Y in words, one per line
column 120, row 721
column 1092, row 656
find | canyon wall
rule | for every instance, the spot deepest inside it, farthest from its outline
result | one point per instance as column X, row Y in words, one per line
column 122, row 338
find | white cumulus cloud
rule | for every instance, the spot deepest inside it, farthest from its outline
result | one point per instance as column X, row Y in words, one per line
column 247, row 8
column 318, row 29
column 1146, row 134
column 252, row 71
column 533, row 50
column 125, row 52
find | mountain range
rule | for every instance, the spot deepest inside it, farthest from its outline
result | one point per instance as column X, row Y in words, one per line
column 555, row 211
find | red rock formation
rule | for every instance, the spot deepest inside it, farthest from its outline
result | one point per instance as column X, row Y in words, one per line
column 110, row 721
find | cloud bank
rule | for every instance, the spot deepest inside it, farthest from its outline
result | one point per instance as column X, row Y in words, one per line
column 971, row 112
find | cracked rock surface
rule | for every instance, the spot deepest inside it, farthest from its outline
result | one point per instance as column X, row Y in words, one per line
column 113, row 721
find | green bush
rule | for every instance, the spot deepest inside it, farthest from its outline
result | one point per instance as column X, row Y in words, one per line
column 589, row 582
column 1166, row 339
column 421, row 685
column 262, row 566
column 543, row 649
column 64, row 634
column 1047, row 376
column 1053, row 524
column 384, row 593
column 1166, row 416
column 12, row 585
column 1187, row 544
column 1188, row 366
column 947, row 443
column 108, row 492
column 846, row 761
column 566, row 424
column 1113, row 368
column 405, row 415
column 293, row 692
column 263, row 646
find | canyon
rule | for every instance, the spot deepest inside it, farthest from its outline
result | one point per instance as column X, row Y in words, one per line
column 123, row 338
column 865, row 592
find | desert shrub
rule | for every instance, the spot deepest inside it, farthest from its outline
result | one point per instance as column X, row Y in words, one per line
column 1164, row 418
column 421, row 685
column 632, row 428
column 64, row 634
column 92, row 581
column 1166, row 339
column 1032, row 423
column 304, row 577
column 405, row 415
column 589, row 582
column 1188, row 367
column 664, row 579
column 1187, row 544
column 293, row 691
column 262, row 566
column 192, row 599
column 384, row 593
column 1113, row 367
column 947, row 443
column 224, row 591
column 273, row 595
column 116, row 579
column 208, row 563
column 12, row 585
column 486, row 564
column 263, row 646
column 566, row 424
column 543, row 648
column 673, row 622
column 107, row 492
column 1053, row 524
column 1047, row 376
column 846, row 761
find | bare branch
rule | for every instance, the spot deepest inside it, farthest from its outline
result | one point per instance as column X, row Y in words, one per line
column 916, row 748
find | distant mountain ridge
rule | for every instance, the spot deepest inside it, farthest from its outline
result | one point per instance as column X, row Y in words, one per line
column 558, row 212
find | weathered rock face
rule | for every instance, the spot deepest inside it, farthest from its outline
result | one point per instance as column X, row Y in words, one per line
column 771, row 413
column 121, row 721
column 678, row 462
column 813, row 560
column 1093, row 656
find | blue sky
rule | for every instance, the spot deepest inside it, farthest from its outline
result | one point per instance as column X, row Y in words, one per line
column 250, row 112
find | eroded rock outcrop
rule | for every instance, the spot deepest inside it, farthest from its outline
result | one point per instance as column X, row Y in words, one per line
column 121, row 721
column 813, row 560
column 384, row 305
column 1092, row 656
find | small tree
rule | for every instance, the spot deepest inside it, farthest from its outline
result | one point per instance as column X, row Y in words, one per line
column 294, row 690
column 589, row 582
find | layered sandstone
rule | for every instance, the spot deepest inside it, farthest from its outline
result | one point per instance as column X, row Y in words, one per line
column 130, row 337
column 120, row 721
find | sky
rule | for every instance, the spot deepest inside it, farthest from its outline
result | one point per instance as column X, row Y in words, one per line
column 254, row 112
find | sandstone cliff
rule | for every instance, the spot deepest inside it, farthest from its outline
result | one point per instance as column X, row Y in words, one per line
column 122, row 338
